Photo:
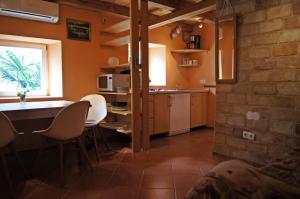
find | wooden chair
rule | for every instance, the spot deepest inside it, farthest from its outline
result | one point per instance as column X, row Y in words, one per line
column 96, row 114
column 68, row 126
column 7, row 135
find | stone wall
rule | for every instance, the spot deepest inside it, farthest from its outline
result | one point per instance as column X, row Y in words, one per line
column 268, row 62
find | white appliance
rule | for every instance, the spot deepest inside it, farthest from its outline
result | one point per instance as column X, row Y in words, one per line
column 113, row 82
column 180, row 113
column 30, row 9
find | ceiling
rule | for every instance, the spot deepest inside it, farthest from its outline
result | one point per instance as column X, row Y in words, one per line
column 157, row 8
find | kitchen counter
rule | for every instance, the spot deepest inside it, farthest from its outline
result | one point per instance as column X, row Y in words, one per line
column 174, row 91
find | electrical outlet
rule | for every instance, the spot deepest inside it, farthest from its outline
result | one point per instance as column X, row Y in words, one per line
column 202, row 81
column 248, row 135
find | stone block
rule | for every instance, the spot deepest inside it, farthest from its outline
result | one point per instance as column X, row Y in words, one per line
column 244, row 42
column 221, row 118
column 248, row 29
column 257, row 148
column 263, row 4
column 224, row 88
column 259, row 100
column 265, row 89
column 296, row 8
column 219, row 138
column 285, row 49
column 289, row 88
column 221, row 97
column 279, row 101
column 260, row 52
column 224, row 108
column 257, row 125
column 244, row 7
column 284, row 75
column 225, row 129
column 243, row 77
column 236, row 120
column 241, row 109
column 284, row 127
column 236, row 98
column 245, row 64
column 242, row 88
column 236, row 142
column 290, row 35
column 292, row 22
column 279, row 11
column 297, row 101
column 283, row 114
column 264, row 64
column 254, row 17
column 260, row 76
column 272, row 25
column 288, row 62
column 266, row 38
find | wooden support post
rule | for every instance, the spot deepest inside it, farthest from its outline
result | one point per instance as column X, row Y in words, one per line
column 145, row 74
column 135, row 77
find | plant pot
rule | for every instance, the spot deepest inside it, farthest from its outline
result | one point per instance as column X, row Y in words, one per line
column 23, row 99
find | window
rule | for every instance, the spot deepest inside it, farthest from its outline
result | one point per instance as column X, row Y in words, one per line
column 157, row 64
column 23, row 66
column 30, row 64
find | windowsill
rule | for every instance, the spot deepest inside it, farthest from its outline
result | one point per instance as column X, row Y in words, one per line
column 30, row 99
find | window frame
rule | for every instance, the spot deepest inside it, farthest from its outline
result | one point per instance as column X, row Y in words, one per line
column 44, row 69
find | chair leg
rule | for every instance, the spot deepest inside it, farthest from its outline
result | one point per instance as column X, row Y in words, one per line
column 38, row 157
column 61, row 164
column 95, row 142
column 7, row 175
column 103, row 138
column 83, row 151
column 20, row 162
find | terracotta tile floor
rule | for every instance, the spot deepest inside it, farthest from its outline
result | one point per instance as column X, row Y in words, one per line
column 166, row 171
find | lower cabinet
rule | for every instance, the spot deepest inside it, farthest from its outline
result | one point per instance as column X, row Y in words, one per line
column 162, row 104
column 198, row 109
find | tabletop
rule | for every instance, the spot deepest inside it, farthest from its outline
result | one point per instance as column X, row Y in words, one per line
column 33, row 105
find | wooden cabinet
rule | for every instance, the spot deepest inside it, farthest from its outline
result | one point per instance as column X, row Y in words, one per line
column 151, row 115
column 198, row 109
column 162, row 106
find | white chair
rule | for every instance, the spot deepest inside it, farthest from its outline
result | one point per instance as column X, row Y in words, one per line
column 7, row 135
column 67, row 126
column 96, row 114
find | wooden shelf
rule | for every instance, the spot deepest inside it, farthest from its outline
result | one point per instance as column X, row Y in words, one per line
column 118, row 27
column 116, row 67
column 118, row 42
column 121, row 127
column 188, row 65
column 119, row 112
column 112, row 93
column 184, row 51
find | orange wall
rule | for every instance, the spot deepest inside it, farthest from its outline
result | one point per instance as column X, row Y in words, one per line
column 81, row 60
column 187, row 77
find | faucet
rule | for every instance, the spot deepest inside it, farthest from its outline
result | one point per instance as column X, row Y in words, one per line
column 178, row 86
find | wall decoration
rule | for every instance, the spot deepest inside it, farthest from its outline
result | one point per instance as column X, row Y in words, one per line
column 78, row 30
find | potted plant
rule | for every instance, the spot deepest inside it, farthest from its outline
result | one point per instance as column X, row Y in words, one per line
column 22, row 95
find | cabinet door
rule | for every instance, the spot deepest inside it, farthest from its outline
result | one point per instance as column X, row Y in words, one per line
column 162, row 105
column 198, row 109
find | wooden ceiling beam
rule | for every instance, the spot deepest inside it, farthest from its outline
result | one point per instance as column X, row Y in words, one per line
column 100, row 5
column 176, row 4
column 196, row 9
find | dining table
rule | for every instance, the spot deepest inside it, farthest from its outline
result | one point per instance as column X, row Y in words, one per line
column 30, row 116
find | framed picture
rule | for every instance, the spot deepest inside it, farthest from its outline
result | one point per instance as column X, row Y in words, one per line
column 78, row 30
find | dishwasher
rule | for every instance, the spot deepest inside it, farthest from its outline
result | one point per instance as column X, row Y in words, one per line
column 179, row 113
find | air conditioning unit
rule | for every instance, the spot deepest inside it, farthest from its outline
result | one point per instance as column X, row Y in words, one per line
column 30, row 9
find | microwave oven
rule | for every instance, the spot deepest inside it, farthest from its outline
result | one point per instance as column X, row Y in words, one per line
column 110, row 82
